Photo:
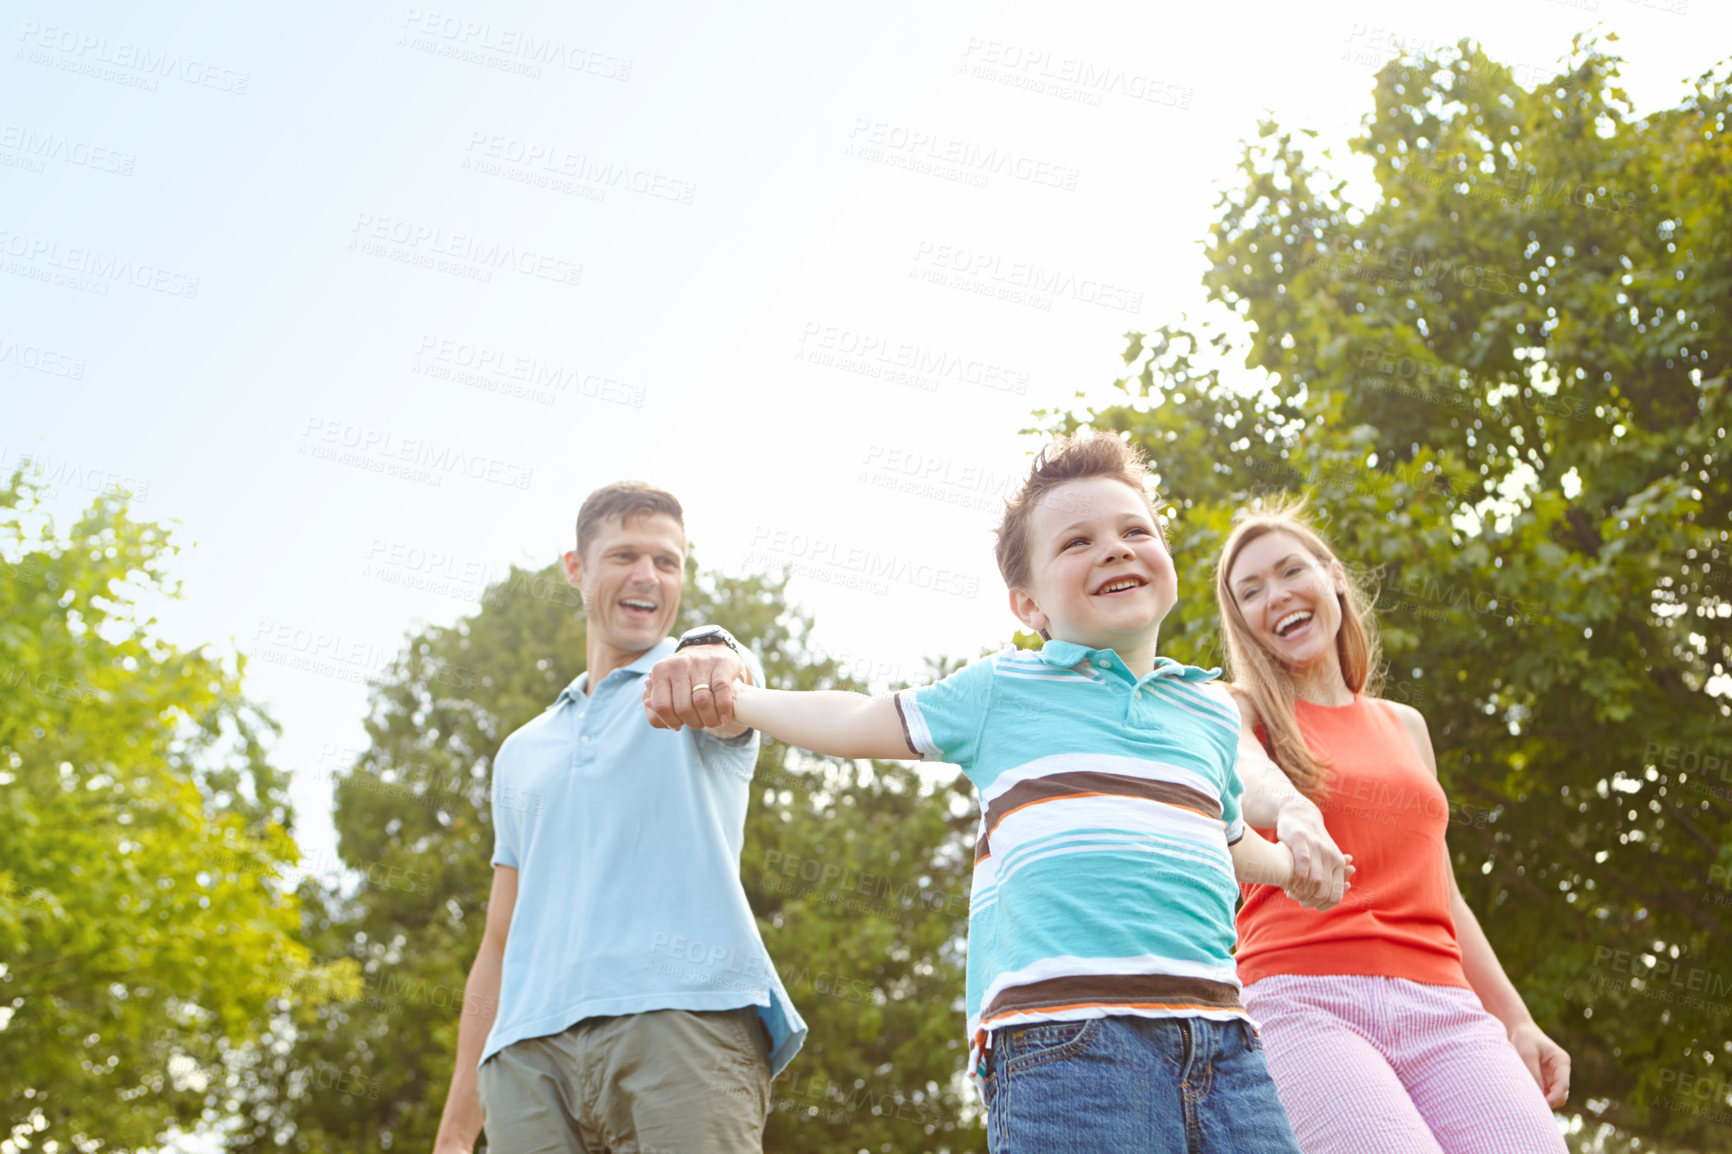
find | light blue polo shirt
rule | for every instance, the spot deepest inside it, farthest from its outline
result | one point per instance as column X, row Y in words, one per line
column 627, row 844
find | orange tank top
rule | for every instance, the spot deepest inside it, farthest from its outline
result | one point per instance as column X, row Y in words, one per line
column 1384, row 808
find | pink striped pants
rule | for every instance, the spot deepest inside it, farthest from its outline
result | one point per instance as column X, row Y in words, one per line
column 1375, row 1065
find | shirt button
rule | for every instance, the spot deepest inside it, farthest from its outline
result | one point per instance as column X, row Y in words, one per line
column 585, row 740
column 1105, row 663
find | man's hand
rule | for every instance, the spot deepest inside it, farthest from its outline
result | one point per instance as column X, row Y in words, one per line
column 695, row 687
column 1546, row 1061
column 1320, row 869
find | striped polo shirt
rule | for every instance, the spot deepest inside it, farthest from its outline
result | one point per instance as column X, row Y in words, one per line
column 1102, row 880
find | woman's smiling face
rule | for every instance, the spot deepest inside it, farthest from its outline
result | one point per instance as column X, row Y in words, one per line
column 1289, row 599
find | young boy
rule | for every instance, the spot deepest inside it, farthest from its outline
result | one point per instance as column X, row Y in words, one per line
column 1103, row 1005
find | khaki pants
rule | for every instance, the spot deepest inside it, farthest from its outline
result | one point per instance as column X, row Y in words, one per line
column 663, row 1082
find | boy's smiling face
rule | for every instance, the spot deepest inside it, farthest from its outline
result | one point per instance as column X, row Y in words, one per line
column 1100, row 574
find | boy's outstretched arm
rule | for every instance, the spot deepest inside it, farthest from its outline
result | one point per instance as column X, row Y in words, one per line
column 827, row 722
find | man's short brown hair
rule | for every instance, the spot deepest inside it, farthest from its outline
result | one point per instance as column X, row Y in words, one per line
column 623, row 500
column 1087, row 454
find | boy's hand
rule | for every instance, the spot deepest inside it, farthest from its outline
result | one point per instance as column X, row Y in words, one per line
column 694, row 687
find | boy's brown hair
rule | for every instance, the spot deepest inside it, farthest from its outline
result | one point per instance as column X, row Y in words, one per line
column 1089, row 453
column 623, row 500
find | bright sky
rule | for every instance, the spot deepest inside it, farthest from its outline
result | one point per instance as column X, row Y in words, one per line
column 368, row 297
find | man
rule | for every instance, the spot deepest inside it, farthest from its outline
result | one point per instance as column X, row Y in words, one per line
column 625, row 999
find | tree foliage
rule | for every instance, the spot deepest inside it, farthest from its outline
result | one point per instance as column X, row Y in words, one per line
column 875, row 969
column 1501, row 376
column 145, row 937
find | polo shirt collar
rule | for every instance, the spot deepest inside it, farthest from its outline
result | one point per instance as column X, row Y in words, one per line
column 1068, row 654
column 575, row 691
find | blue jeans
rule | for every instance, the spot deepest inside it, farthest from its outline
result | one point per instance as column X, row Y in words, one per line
column 1127, row 1085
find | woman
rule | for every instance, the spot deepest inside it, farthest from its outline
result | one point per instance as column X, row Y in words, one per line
column 1388, row 1023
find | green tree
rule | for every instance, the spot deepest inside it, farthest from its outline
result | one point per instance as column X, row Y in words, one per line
column 875, row 969
column 1501, row 376
column 144, row 935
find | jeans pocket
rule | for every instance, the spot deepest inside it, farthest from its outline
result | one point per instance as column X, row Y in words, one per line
column 1021, row 1047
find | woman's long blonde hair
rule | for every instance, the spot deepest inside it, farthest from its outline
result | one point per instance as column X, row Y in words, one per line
column 1263, row 678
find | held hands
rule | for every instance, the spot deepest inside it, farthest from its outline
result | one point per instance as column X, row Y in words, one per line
column 1320, row 869
column 694, row 687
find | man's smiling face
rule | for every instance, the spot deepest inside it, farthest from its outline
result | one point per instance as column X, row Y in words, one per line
column 630, row 578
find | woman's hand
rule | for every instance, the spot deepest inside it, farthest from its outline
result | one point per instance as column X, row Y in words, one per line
column 1546, row 1062
column 1320, row 869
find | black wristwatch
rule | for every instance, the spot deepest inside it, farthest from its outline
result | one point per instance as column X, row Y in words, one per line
column 708, row 635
